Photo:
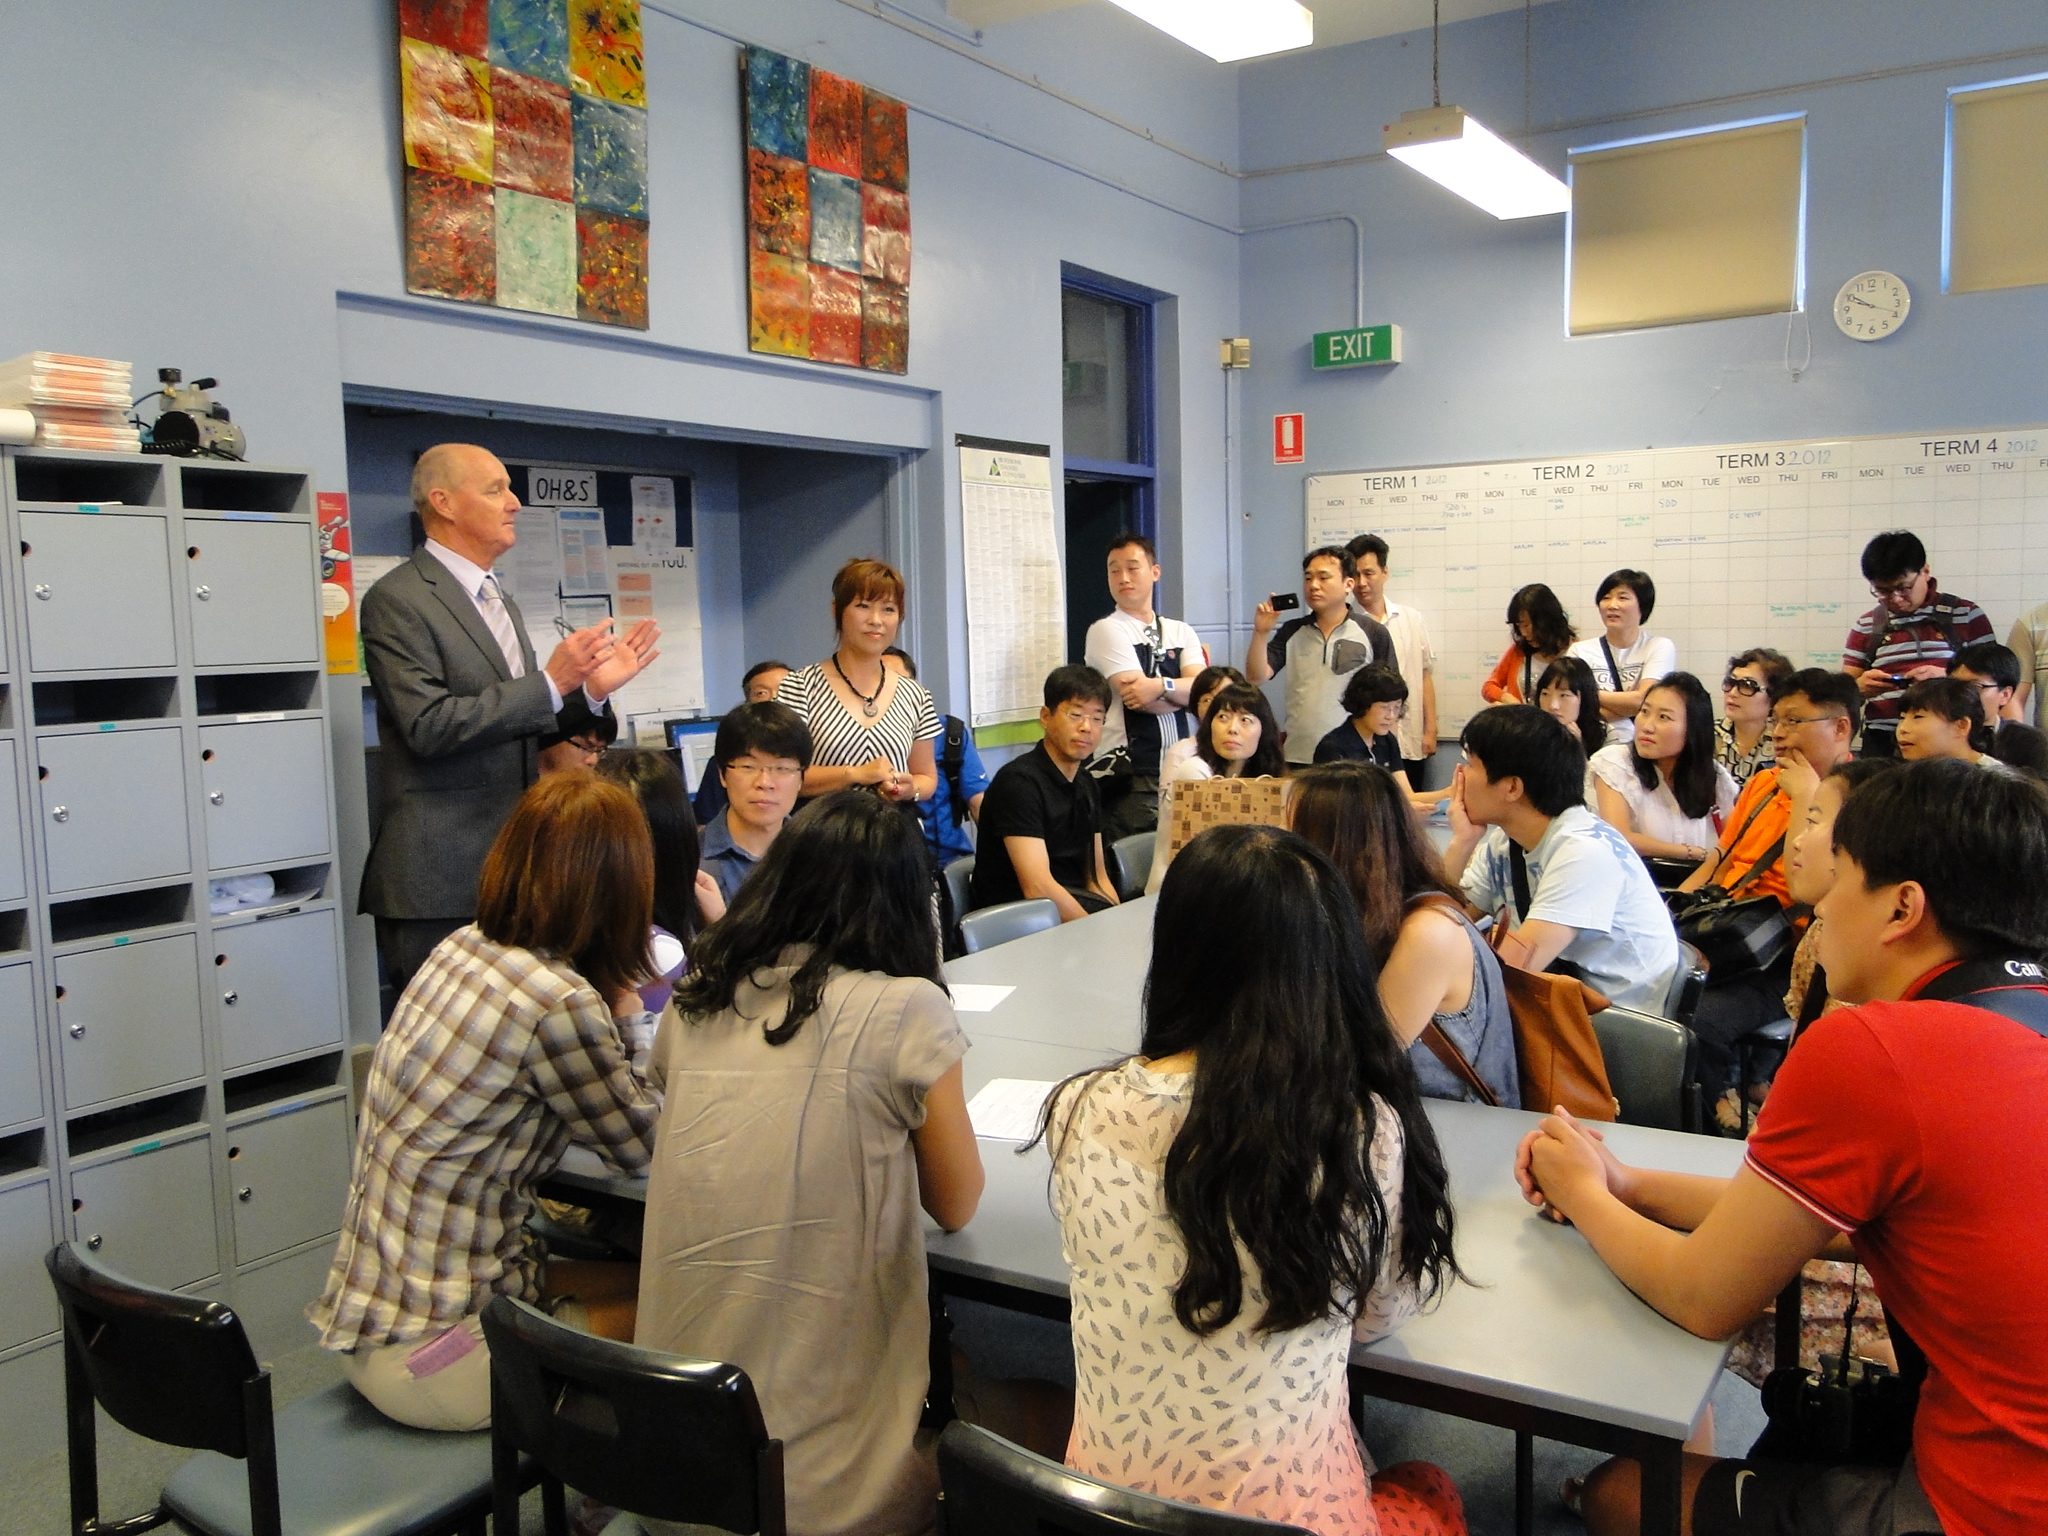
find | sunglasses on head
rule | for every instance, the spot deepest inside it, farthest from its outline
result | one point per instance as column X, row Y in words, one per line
column 1748, row 687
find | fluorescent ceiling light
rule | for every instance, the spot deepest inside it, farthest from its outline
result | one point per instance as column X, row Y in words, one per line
column 1229, row 29
column 1451, row 147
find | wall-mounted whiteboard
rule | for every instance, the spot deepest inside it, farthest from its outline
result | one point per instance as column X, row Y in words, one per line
column 1749, row 543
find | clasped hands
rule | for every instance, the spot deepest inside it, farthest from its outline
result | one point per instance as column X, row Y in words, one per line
column 601, row 663
column 889, row 781
column 1564, row 1164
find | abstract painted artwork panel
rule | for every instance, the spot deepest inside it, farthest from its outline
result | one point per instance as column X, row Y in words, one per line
column 535, row 146
column 604, row 50
column 525, row 132
column 531, row 37
column 537, row 267
column 828, row 216
column 778, row 204
column 451, row 243
column 611, row 269
column 447, row 103
column 611, row 156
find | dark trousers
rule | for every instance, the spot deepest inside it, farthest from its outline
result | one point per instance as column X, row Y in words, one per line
column 1879, row 743
column 1730, row 1010
column 403, row 944
column 1417, row 769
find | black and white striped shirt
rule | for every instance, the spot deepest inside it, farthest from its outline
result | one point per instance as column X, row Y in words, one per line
column 843, row 739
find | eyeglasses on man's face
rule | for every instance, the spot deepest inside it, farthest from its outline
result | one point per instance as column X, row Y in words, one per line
column 1888, row 590
column 1789, row 723
column 774, row 773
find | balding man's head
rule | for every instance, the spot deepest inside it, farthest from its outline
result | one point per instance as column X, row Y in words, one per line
column 465, row 501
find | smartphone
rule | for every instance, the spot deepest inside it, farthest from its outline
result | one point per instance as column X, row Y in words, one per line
column 1282, row 601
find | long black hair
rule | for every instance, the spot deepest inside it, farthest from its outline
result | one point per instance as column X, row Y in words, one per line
column 846, row 876
column 1295, row 1064
column 1547, row 622
column 1242, row 699
column 1570, row 672
column 658, row 784
column 1692, row 773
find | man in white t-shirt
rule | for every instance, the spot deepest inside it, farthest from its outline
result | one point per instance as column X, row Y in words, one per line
column 1413, row 657
column 1151, row 663
column 1626, row 659
column 1590, row 901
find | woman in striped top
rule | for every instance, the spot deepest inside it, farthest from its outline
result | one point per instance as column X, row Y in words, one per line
column 870, row 725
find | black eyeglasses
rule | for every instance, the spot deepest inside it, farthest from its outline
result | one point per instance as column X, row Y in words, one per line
column 1885, row 589
column 1748, row 687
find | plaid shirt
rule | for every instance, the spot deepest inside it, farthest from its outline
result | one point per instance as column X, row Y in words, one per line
column 495, row 1059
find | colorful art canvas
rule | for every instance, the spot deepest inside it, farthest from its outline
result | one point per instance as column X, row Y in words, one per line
column 828, row 216
column 525, row 132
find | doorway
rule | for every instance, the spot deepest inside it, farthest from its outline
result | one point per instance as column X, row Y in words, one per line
column 1097, row 511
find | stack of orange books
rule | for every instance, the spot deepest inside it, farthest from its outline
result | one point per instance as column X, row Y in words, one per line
column 78, row 402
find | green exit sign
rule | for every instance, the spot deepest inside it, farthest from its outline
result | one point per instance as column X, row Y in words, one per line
column 1367, row 344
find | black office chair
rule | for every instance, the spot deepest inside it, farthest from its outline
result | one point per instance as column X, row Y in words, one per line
column 1652, row 1066
column 653, row 1434
column 1130, row 863
column 959, row 877
column 1688, row 982
column 993, row 1488
column 179, row 1370
column 1006, row 921
column 1773, row 1039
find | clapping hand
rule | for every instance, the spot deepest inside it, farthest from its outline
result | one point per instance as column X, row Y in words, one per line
column 579, row 653
column 628, row 657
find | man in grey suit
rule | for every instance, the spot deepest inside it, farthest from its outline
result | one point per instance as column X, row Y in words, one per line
column 460, row 703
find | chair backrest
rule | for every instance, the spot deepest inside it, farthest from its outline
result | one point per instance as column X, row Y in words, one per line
column 958, row 874
column 1651, row 1063
column 1130, row 863
column 1682, row 1001
column 171, row 1368
column 993, row 1488
column 1006, row 921
column 654, row 1434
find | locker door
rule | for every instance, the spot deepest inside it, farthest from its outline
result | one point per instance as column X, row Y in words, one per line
column 279, row 988
column 99, row 590
column 128, row 1019
column 266, row 792
column 113, row 807
column 21, row 1088
column 150, row 1215
column 252, row 592
column 290, row 1178
column 13, row 868
column 28, row 1307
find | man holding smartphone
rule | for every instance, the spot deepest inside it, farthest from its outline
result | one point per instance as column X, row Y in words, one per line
column 1915, row 631
column 1319, row 651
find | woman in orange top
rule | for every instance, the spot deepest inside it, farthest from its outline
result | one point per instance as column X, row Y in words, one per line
column 1542, row 634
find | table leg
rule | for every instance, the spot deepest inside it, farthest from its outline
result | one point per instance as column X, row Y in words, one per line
column 1663, row 1484
column 1785, row 1322
column 938, row 1400
column 1525, row 1483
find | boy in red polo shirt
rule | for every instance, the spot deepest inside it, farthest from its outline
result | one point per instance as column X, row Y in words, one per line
column 1909, row 1132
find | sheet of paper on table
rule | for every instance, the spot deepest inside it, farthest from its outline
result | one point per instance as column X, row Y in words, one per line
column 974, row 997
column 1007, row 1108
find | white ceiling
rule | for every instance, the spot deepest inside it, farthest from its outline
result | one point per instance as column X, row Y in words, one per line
column 1337, row 21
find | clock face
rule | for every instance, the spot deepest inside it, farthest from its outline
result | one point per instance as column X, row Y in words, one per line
column 1872, row 305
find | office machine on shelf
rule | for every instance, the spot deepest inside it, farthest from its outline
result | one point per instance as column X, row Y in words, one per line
column 192, row 424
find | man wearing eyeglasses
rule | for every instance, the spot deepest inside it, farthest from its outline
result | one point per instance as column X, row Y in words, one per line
column 760, row 753
column 1994, row 671
column 1814, row 715
column 1914, row 631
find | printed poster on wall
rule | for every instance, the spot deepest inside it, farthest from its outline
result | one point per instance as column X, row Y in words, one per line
column 1016, row 602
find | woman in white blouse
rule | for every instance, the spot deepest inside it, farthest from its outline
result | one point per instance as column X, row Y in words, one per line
column 1664, row 791
column 1237, row 738
column 1245, row 1198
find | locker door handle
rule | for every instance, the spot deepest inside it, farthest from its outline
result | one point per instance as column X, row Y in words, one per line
column 231, row 998
column 202, row 593
column 94, row 1242
column 245, row 1194
column 43, row 591
column 215, row 797
column 60, row 813
column 77, row 1031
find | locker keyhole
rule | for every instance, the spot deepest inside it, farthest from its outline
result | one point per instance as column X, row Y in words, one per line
column 60, row 994
column 192, row 552
column 220, row 959
column 24, row 549
column 42, row 772
column 233, row 1153
column 206, row 756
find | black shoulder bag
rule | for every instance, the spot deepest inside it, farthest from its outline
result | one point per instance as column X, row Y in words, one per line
column 1736, row 935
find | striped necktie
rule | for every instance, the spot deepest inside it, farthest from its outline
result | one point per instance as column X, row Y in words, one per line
column 491, row 603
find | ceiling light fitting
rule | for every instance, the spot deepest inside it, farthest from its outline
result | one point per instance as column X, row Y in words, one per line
column 1227, row 30
column 1455, row 149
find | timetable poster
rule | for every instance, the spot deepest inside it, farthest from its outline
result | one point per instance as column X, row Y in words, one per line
column 1750, row 544
column 1016, row 602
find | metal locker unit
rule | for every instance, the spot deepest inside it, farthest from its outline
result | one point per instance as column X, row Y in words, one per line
column 155, row 737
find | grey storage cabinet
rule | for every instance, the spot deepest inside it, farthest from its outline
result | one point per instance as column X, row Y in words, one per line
column 99, row 587
column 265, row 786
column 113, row 805
column 279, row 981
column 290, row 1177
column 249, row 600
column 154, row 735
column 149, row 1213
column 128, row 1020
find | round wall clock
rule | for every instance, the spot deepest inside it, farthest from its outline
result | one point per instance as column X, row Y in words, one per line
column 1871, row 305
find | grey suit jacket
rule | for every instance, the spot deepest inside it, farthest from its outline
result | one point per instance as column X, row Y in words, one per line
column 457, row 734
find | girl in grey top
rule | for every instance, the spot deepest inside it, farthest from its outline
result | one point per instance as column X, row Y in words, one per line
column 1433, row 966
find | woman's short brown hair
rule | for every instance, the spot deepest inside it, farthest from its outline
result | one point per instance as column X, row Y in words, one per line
column 571, row 875
column 861, row 581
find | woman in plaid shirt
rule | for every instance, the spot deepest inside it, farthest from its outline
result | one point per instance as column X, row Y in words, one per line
column 520, row 1034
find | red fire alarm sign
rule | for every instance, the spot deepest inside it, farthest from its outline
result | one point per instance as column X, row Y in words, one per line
column 1287, row 439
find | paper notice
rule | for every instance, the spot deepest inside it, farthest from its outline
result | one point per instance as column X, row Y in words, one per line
column 1007, row 1108
column 654, row 515
column 586, row 562
column 976, row 997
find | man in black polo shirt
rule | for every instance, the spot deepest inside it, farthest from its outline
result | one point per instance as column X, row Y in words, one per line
column 1041, row 820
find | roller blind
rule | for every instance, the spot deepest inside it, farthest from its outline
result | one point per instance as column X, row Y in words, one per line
column 1700, row 227
column 1998, row 187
